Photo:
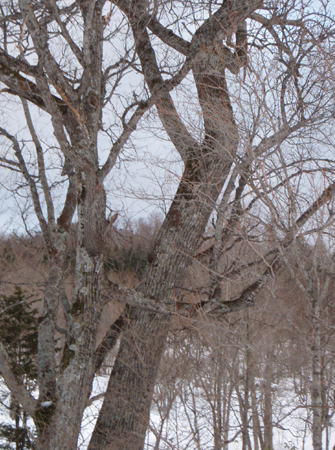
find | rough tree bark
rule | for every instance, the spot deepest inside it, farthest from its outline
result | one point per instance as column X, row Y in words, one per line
column 206, row 169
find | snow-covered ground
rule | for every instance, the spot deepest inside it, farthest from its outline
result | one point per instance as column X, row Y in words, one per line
column 186, row 430
column 189, row 424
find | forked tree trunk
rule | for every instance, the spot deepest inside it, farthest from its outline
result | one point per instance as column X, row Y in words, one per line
column 124, row 416
column 127, row 402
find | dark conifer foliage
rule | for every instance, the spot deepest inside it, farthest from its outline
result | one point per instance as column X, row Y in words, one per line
column 18, row 333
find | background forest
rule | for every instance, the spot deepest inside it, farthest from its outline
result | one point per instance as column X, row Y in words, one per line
column 242, row 382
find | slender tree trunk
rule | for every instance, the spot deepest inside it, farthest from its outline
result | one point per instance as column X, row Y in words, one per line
column 267, row 417
column 256, row 429
column 316, row 377
column 245, row 420
column 327, row 437
column 246, row 444
column 245, row 432
column 227, row 411
column 18, row 437
column 218, row 400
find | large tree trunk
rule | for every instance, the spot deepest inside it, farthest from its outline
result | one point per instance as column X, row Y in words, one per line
column 124, row 416
column 59, row 420
column 130, row 388
column 206, row 170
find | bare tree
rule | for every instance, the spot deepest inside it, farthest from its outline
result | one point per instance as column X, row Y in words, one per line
column 262, row 84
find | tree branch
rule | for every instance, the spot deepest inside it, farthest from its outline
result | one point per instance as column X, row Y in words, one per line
column 33, row 190
column 17, row 65
column 65, row 218
column 65, row 34
column 167, row 36
column 216, row 306
column 247, row 298
column 41, row 165
column 20, row 86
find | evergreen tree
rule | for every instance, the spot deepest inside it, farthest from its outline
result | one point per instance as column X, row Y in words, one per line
column 18, row 333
